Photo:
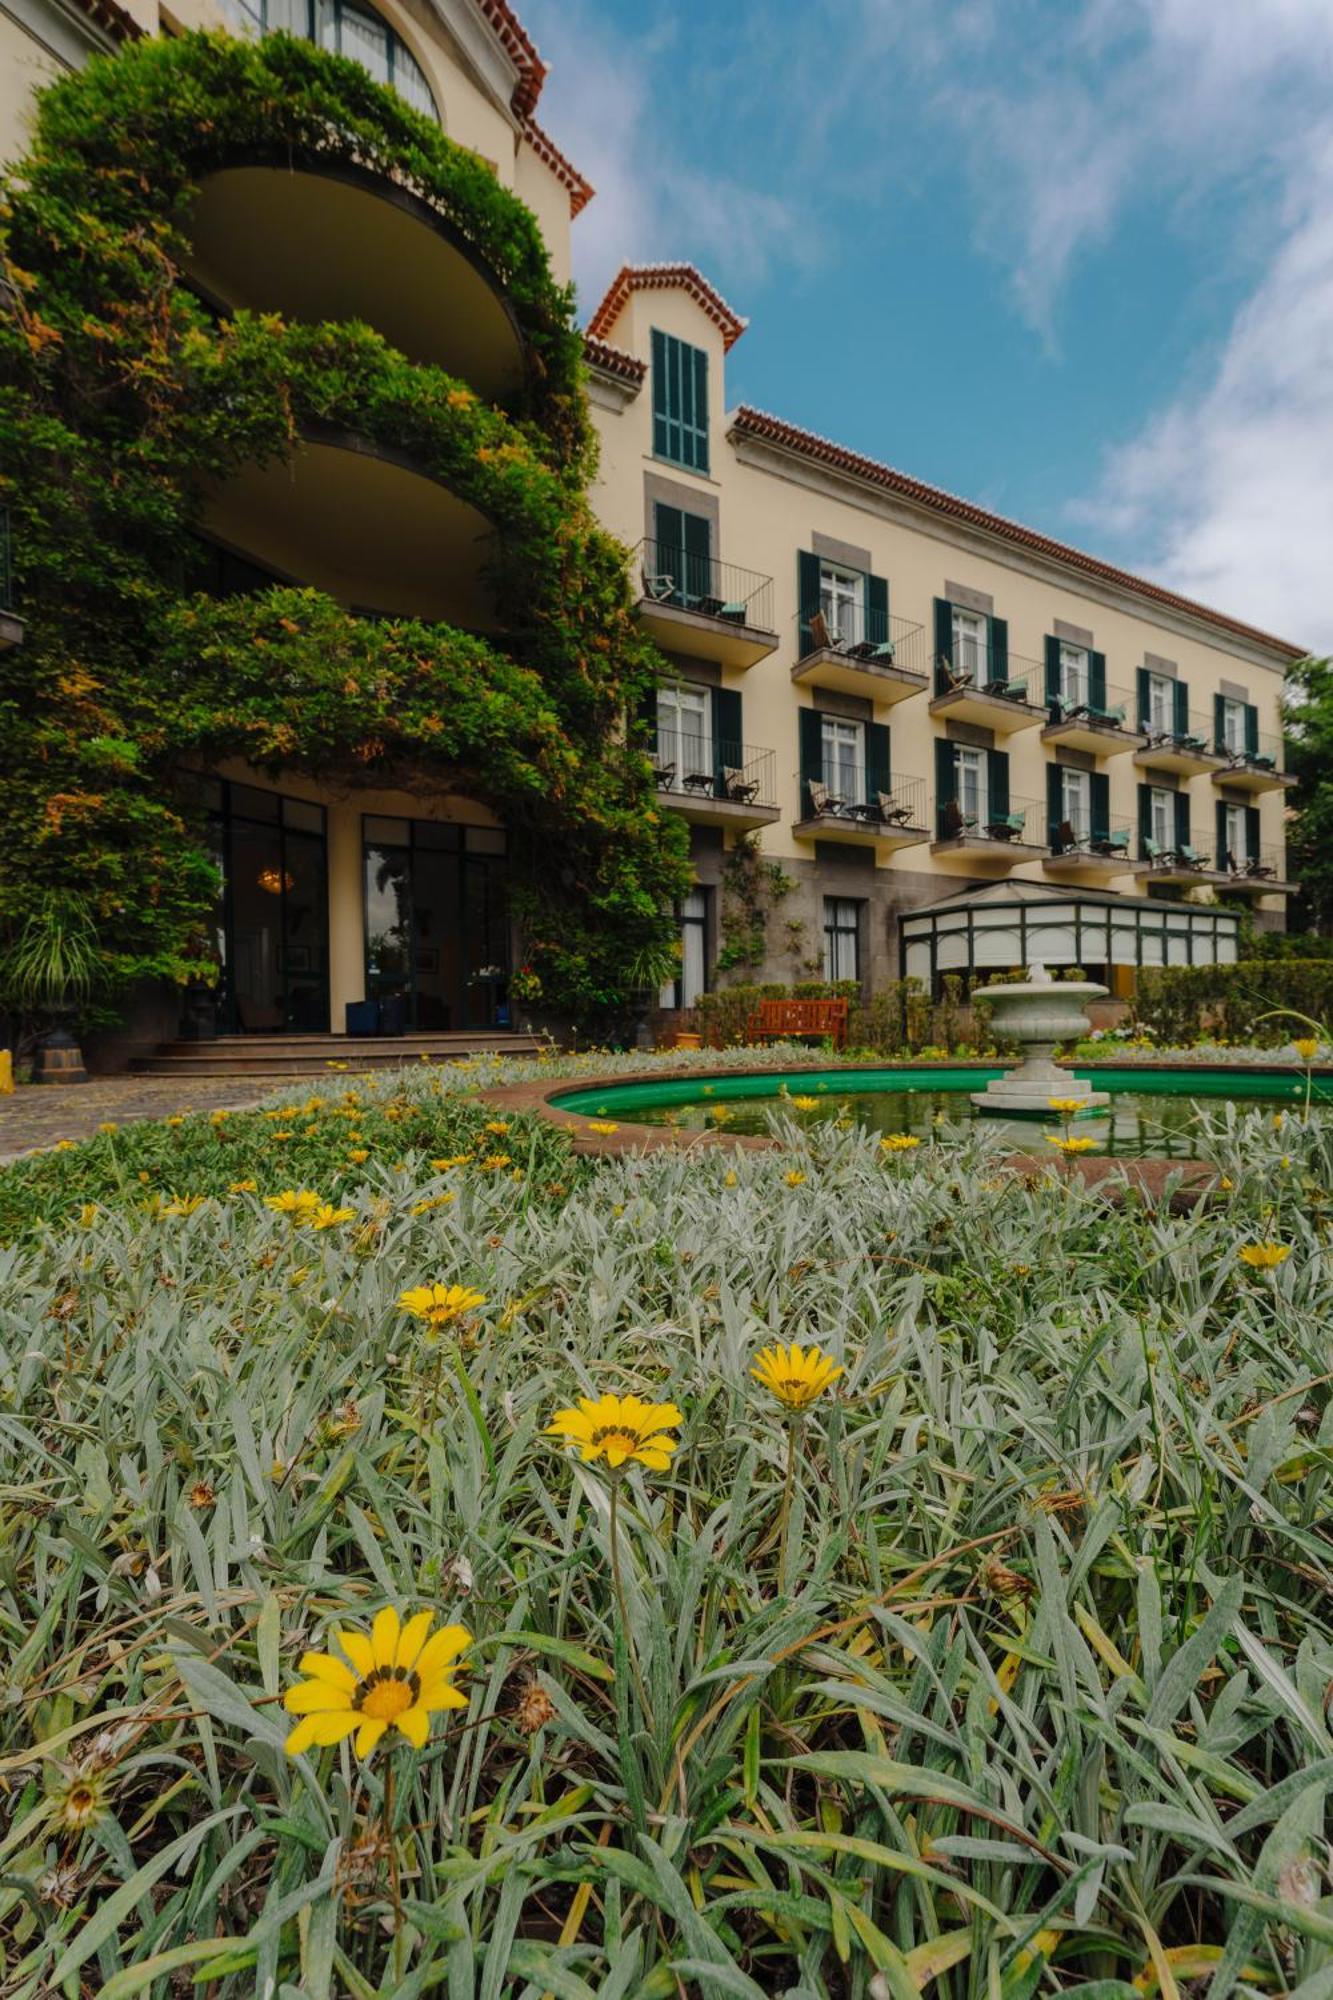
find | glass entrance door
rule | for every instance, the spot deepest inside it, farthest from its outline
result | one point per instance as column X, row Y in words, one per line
column 273, row 933
column 437, row 924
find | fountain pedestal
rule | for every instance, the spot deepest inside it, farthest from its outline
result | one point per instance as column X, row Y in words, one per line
column 1039, row 1014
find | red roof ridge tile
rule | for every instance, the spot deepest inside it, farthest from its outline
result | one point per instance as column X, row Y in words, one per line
column 522, row 52
column 614, row 360
column 581, row 190
column 646, row 277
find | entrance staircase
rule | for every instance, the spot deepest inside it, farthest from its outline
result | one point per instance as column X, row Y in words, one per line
column 324, row 1055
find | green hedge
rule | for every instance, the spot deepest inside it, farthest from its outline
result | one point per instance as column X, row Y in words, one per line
column 1180, row 1003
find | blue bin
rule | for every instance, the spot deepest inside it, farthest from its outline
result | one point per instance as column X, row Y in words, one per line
column 363, row 1017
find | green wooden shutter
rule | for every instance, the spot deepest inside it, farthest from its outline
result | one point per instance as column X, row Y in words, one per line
column 698, row 556
column 946, row 780
column 1097, row 680
column 1180, row 697
column 877, row 610
column 1219, row 722
column 877, row 760
column 943, row 642
column 807, row 595
column 1052, row 671
column 1251, row 730
column 661, row 410
column 726, row 732
column 700, row 409
column 1182, row 819
column 1145, row 820
column 1100, row 789
column 1252, row 833
column 1055, row 803
column 1143, row 682
column 997, row 782
column 1220, row 816
column 999, row 649
column 812, row 751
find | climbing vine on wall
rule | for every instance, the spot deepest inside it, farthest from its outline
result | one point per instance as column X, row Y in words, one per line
column 122, row 397
column 751, row 890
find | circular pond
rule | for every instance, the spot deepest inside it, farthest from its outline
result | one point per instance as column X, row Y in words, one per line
column 1153, row 1112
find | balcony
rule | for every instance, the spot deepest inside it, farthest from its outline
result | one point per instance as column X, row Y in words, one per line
column 705, row 610
column 1256, row 768
column 1080, row 853
column 964, row 694
column 1188, row 751
column 324, row 240
column 989, row 843
column 1105, row 728
column 881, row 658
column 852, row 817
column 1261, row 874
column 11, row 627
column 1181, row 867
column 715, row 784
column 364, row 524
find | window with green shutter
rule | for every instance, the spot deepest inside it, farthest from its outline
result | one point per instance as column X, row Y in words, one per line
column 680, row 401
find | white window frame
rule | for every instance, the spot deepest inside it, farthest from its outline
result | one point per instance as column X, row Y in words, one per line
column 842, row 752
column 1161, row 703
column 689, row 750
column 841, row 599
column 971, row 642
column 1162, row 816
column 692, row 979
column 971, row 783
column 1076, row 800
column 1233, row 725
column 1234, row 825
column 1075, row 675
column 842, row 937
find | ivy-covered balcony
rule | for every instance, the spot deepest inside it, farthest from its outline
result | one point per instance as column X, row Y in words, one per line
column 362, row 522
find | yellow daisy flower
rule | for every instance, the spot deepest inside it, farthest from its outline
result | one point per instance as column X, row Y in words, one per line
column 400, row 1675
column 358, row 1156
column 88, row 1214
column 795, row 1178
column 297, row 1204
column 500, row 1127
column 619, row 1429
column 1084, row 1145
column 183, row 1204
column 1066, row 1105
column 107, row 1125
column 1307, row 1048
column 1264, row 1256
column 435, row 1201
column 326, row 1216
column 454, row 1160
column 795, row 1375
column 440, row 1305
column 604, row 1125
column 493, row 1163
column 175, row 1119
column 243, row 1187
column 805, row 1104
column 63, row 1146
column 898, row 1142
column 730, row 1178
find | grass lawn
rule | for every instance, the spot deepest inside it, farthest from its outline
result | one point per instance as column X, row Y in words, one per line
column 1001, row 1667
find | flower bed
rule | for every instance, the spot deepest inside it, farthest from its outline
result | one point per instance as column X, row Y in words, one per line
column 995, row 1650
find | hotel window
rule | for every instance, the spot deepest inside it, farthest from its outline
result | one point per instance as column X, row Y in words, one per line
column 970, row 784
column 680, row 401
column 970, row 647
column 1236, row 846
column 843, row 757
column 1162, row 816
column 842, row 938
column 1233, row 725
column 1161, row 703
column 692, row 979
column 1076, row 800
column 685, row 730
column 841, row 592
column 1074, row 689
column 358, row 33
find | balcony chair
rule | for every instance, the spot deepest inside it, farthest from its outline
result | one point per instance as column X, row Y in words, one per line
column 891, row 812
column 1067, row 840
column 879, row 652
column 1004, row 826
column 1007, row 690
column 1111, row 718
column 659, row 587
column 737, row 787
column 1260, row 871
column 823, row 805
column 955, row 824
column 1111, row 844
column 1189, row 857
column 664, row 775
column 956, row 678
column 821, row 639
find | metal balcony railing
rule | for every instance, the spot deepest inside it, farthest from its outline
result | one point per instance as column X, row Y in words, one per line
column 1078, row 835
column 1196, row 737
column 671, row 575
column 1264, row 753
column 702, row 767
column 1022, row 823
column 874, row 638
column 1172, row 858
column 971, row 670
column 1117, row 708
column 848, row 792
column 1268, row 865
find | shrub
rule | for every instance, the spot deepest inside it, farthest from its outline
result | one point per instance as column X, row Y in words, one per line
column 1180, row 1003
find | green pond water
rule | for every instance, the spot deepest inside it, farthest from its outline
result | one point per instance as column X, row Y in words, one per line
column 1164, row 1114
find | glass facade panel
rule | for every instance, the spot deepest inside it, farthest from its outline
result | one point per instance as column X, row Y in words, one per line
column 273, row 919
column 437, row 925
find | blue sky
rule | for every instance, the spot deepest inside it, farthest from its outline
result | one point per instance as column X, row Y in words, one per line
column 1070, row 258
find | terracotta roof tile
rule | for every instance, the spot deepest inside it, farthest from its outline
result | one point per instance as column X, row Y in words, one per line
column 665, row 277
column 748, row 423
column 613, row 360
column 581, row 191
column 521, row 51
column 112, row 18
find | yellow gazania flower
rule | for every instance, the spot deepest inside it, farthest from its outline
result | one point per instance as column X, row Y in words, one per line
column 242, row 1187
column 605, row 1125
column 400, row 1674
column 183, row 1204
column 720, row 1114
column 898, row 1142
column 1307, row 1048
column 805, row 1104
column 1264, row 1256
column 63, row 1146
column 277, row 1136
column 454, row 1160
column 1084, row 1145
column 795, row 1178
column 435, row 1201
column 175, row 1119
column 795, row 1375
column 107, row 1125
column 1066, row 1105
column 730, row 1178
column 619, row 1428
column 326, row 1216
column 1226, row 1184
column 1278, row 1117
column 493, row 1163
column 440, row 1305
column 88, row 1214
column 358, row 1156
column 500, row 1127
column 297, row 1204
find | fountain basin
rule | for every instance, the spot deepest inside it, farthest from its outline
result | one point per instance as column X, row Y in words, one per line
column 1039, row 1013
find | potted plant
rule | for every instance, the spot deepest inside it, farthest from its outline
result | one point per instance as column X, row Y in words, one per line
column 49, row 964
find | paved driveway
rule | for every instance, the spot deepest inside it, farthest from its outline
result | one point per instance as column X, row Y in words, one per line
column 39, row 1114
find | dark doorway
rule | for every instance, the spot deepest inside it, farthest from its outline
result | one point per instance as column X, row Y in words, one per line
column 437, row 924
column 273, row 930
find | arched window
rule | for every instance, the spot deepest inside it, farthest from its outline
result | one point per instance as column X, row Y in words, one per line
column 349, row 30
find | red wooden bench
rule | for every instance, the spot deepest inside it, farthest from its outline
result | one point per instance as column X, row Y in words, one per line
column 783, row 1020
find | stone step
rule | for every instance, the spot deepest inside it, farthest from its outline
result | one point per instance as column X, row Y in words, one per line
column 312, row 1055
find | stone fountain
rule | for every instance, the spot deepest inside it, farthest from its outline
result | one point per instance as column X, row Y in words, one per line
column 1038, row 1013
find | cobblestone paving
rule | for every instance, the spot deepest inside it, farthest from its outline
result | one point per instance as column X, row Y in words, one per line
column 39, row 1114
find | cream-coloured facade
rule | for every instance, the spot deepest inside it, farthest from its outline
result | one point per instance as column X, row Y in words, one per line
column 908, row 700
column 917, row 699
